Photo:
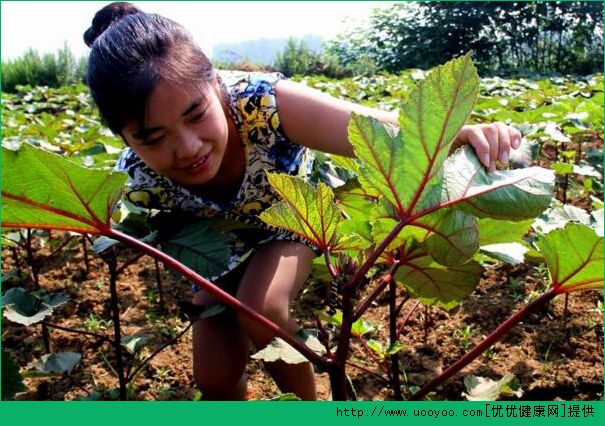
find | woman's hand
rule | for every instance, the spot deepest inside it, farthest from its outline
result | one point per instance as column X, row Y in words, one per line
column 492, row 142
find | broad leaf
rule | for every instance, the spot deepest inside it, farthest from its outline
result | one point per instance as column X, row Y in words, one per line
column 574, row 256
column 201, row 247
column 511, row 253
column 454, row 236
column 12, row 381
column 492, row 231
column 55, row 363
column 557, row 216
column 355, row 201
column 508, row 194
column 44, row 190
column 484, row 389
column 435, row 284
column 23, row 308
column 400, row 165
column 278, row 349
column 307, row 211
column 133, row 343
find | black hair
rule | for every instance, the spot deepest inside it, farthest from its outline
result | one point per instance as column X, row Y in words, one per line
column 131, row 51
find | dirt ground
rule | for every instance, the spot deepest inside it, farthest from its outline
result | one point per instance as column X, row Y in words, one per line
column 553, row 358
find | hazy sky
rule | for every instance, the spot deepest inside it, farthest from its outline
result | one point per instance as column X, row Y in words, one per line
column 46, row 25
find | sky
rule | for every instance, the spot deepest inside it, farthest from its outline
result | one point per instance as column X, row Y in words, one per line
column 47, row 25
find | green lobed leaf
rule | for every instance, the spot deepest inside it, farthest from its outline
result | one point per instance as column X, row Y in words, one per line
column 355, row 201
column 58, row 362
column 279, row 349
column 484, row 389
column 307, row 211
column 400, row 165
column 435, row 284
column 509, row 194
column 511, row 253
column 23, row 308
column 493, row 231
column 557, row 216
column 45, row 190
column 574, row 256
column 454, row 236
column 201, row 247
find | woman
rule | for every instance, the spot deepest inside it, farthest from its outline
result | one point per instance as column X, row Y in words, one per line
column 199, row 146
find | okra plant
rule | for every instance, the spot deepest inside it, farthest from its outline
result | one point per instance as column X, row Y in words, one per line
column 412, row 213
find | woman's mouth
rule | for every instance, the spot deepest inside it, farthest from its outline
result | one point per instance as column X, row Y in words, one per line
column 199, row 165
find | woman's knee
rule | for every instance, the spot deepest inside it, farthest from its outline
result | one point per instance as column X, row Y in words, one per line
column 220, row 354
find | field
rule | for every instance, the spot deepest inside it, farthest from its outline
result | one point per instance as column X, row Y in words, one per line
column 555, row 353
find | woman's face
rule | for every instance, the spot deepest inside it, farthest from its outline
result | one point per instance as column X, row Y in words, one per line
column 185, row 133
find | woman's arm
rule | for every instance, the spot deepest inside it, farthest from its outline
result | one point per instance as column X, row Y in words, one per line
column 319, row 121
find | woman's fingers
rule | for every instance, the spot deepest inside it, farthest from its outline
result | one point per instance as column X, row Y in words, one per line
column 504, row 142
column 492, row 142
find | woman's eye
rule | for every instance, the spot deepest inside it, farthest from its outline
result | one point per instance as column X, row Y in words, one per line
column 152, row 142
column 197, row 118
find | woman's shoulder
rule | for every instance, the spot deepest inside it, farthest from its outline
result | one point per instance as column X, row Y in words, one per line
column 246, row 84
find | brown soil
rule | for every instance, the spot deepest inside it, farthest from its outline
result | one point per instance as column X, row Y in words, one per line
column 553, row 359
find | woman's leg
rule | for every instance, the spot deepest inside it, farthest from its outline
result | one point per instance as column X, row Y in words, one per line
column 220, row 352
column 272, row 279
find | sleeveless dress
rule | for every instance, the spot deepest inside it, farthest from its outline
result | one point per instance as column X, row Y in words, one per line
column 252, row 106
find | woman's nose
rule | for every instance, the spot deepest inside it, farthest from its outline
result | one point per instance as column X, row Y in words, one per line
column 187, row 146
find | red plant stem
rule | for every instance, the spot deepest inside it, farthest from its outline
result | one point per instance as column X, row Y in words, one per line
column 395, row 382
column 85, row 253
column 494, row 336
column 129, row 262
column 73, row 330
column 31, row 260
column 400, row 307
column 329, row 265
column 363, row 270
column 218, row 293
column 336, row 370
column 58, row 249
column 384, row 281
column 373, row 356
column 367, row 370
column 117, row 334
column 157, row 351
column 46, row 338
column 407, row 317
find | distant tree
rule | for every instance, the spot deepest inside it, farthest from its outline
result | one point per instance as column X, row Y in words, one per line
column 566, row 37
column 296, row 58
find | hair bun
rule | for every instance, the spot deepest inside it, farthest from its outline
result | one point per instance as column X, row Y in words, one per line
column 105, row 17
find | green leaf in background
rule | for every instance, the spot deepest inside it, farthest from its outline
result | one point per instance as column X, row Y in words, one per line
column 12, row 381
column 511, row 253
column 23, row 308
column 307, row 211
column 484, row 389
column 574, row 256
column 400, row 165
column 133, row 343
column 435, row 284
column 55, row 363
column 201, row 247
column 278, row 349
column 508, row 194
column 492, row 231
column 559, row 215
column 44, row 190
